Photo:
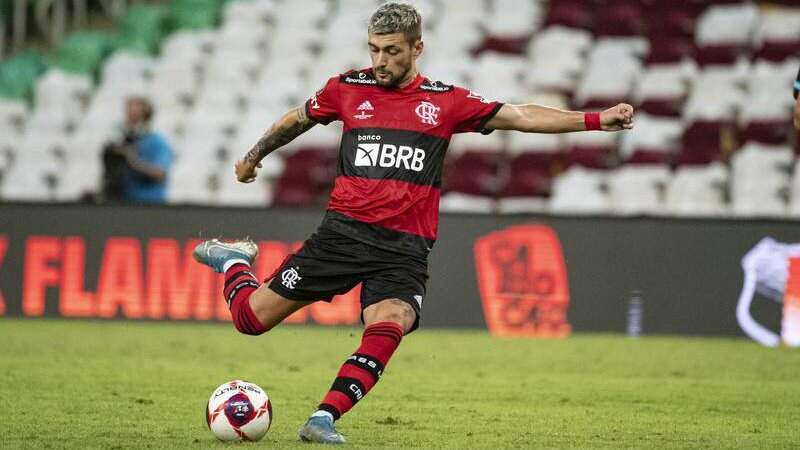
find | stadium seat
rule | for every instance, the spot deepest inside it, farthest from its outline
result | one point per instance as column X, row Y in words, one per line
column 18, row 75
column 652, row 140
column 661, row 89
column 570, row 13
column 13, row 114
column 233, row 193
column 619, row 18
column 196, row 14
column 457, row 202
column 636, row 189
column 698, row 191
column 556, row 57
column 464, row 142
column 83, row 52
column 703, row 142
column 760, row 180
column 777, row 35
column 473, row 173
column 580, row 191
column 591, row 150
column 531, row 175
column 498, row 76
column 144, row 27
column 604, row 83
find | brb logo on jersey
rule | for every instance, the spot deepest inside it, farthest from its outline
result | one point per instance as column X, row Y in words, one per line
column 428, row 113
column 375, row 154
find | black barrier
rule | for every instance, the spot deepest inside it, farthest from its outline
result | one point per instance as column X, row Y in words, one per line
column 126, row 261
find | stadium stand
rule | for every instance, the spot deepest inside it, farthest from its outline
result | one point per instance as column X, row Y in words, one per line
column 710, row 81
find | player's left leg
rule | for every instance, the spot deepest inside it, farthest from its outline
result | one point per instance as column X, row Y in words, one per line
column 385, row 324
column 391, row 299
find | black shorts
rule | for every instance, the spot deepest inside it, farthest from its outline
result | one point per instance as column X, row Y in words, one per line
column 330, row 264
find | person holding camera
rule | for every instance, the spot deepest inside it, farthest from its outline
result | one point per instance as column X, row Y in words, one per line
column 136, row 167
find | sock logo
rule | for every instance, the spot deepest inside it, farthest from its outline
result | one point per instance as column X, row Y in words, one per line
column 418, row 298
column 357, row 391
column 290, row 277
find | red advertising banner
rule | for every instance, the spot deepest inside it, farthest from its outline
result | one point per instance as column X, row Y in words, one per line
column 152, row 279
column 523, row 282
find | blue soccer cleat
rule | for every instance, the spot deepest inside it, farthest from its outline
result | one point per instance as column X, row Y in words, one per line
column 214, row 253
column 320, row 430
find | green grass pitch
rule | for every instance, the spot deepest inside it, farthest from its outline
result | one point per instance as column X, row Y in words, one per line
column 74, row 384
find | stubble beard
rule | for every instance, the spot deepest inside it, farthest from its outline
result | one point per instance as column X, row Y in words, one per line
column 394, row 80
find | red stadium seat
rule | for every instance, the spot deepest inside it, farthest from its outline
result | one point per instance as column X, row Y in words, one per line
column 642, row 156
column 315, row 166
column 702, row 143
column 768, row 132
column 724, row 54
column 515, row 45
column 778, row 50
column 618, row 19
column 570, row 13
column 666, row 107
column 590, row 157
column 669, row 49
column 531, row 175
column 473, row 173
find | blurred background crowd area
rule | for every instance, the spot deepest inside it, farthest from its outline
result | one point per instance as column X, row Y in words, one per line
column 711, row 81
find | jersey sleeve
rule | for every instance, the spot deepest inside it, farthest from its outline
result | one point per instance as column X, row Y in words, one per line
column 797, row 84
column 472, row 111
column 323, row 106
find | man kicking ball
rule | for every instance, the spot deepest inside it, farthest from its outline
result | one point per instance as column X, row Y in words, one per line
column 381, row 221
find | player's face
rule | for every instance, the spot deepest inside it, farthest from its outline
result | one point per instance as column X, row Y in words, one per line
column 392, row 57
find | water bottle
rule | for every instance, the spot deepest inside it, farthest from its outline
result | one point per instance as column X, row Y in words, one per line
column 635, row 307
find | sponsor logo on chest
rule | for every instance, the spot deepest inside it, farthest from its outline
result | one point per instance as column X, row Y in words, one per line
column 370, row 152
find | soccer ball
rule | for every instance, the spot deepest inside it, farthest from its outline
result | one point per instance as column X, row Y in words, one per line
column 238, row 410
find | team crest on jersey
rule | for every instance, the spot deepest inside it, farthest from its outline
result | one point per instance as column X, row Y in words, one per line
column 290, row 277
column 428, row 113
column 362, row 110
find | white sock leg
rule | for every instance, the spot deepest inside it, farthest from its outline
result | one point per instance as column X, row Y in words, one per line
column 230, row 263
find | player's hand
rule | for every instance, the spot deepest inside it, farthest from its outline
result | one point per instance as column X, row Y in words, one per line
column 246, row 172
column 617, row 118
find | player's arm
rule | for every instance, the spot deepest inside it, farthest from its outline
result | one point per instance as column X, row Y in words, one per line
column 289, row 126
column 532, row 118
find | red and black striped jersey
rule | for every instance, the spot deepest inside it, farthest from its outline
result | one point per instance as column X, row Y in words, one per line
column 391, row 155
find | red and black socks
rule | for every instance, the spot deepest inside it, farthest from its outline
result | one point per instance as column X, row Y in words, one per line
column 363, row 369
column 240, row 283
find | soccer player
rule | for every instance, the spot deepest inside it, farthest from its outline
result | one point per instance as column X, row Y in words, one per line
column 382, row 218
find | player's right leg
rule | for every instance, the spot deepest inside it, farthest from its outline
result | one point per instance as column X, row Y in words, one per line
column 255, row 309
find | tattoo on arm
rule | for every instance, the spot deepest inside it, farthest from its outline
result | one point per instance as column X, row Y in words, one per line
column 280, row 135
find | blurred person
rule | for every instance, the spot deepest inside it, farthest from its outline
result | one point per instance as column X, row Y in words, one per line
column 136, row 166
column 382, row 218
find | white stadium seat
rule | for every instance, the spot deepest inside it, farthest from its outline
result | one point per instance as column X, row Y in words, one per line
column 760, row 180
column 580, row 191
column 698, row 191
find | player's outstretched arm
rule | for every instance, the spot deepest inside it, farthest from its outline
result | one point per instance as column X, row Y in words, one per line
column 289, row 126
column 532, row 118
